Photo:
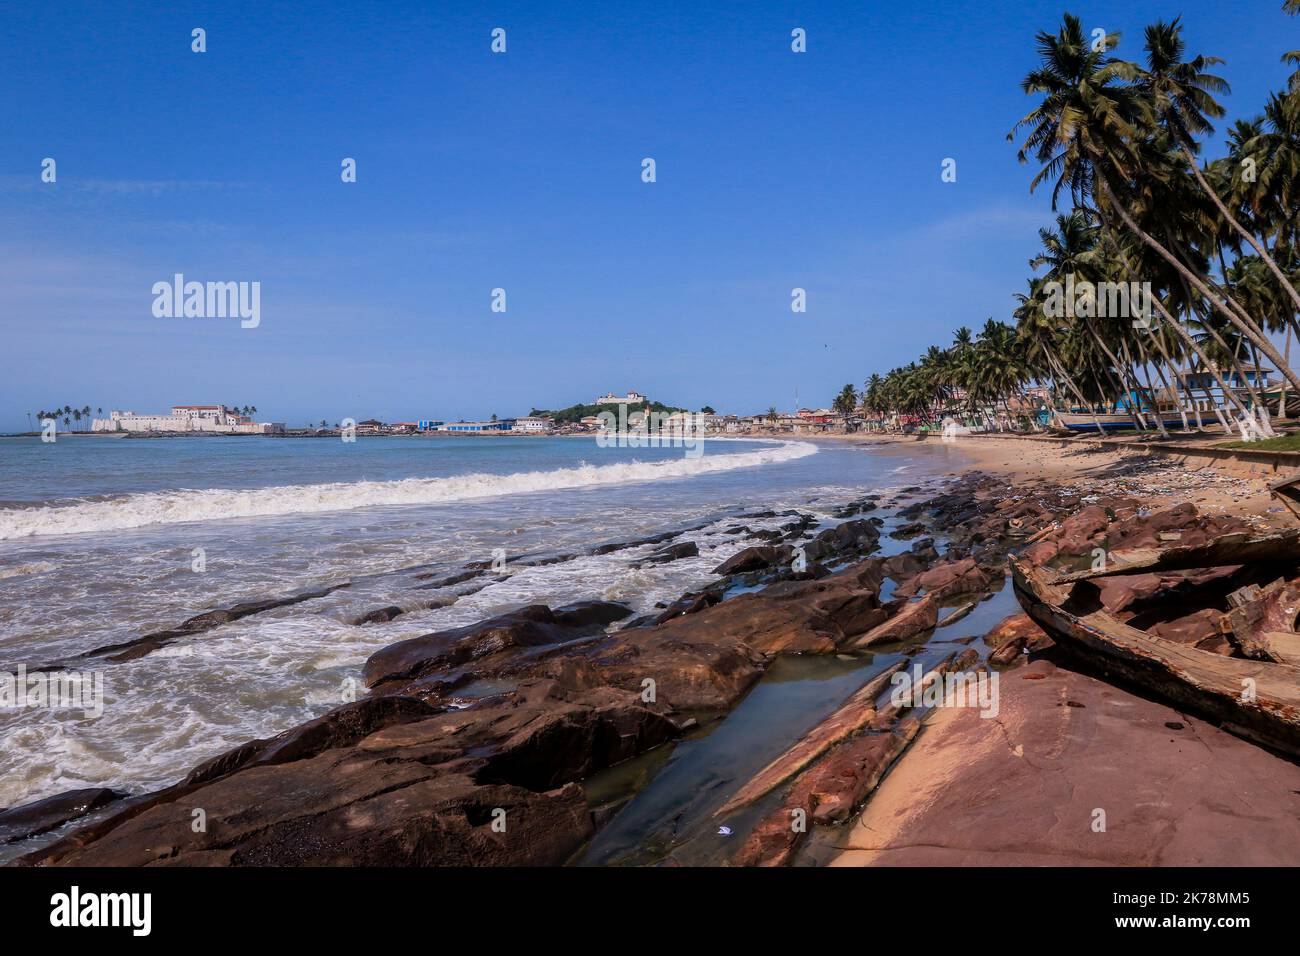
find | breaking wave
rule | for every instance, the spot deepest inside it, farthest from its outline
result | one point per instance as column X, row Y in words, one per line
column 215, row 504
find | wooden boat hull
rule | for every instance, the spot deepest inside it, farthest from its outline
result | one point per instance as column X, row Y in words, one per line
column 1259, row 700
column 1112, row 421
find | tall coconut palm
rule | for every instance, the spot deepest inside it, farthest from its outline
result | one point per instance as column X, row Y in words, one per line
column 1096, row 130
column 1182, row 97
column 845, row 402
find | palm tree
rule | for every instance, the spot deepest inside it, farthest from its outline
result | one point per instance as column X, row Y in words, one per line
column 873, row 397
column 1181, row 93
column 845, row 402
column 1096, row 130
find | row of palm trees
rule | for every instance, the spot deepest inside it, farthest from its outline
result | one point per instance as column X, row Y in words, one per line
column 1210, row 245
column 68, row 415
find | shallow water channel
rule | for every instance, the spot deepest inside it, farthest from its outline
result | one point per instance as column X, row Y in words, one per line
column 663, row 803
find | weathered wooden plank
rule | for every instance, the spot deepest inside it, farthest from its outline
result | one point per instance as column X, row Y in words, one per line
column 1238, row 547
column 1256, row 699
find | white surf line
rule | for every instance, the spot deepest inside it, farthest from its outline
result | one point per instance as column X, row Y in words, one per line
column 177, row 507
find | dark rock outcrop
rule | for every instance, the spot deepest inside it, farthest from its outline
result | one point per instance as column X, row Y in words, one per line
column 492, row 785
column 531, row 626
column 42, row 816
column 755, row 558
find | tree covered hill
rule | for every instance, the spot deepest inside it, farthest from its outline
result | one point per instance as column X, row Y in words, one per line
column 576, row 413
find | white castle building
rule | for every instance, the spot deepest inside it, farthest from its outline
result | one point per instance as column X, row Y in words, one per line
column 631, row 398
column 187, row 418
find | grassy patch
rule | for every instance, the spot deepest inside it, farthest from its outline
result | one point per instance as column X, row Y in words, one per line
column 1280, row 443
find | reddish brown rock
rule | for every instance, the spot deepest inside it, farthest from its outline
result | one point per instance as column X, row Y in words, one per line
column 944, row 580
column 794, row 616
column 1023, row 790
column 1204, row 629
column 708, row 659
column 913, row 618
column 1117, row 593
column 1018, row 627
column 423, row 792
column 533, row 626
column 1040, row 552
column 826, row 793
column 903, row 566
column 841, row 782
column 1182, row 526
column 1079, row 532
column 339, row 728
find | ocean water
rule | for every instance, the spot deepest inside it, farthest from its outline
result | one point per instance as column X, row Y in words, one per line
column 99, row 540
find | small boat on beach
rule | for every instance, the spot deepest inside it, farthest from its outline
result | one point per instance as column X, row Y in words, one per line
column 1254, row 692
column 1110, row 421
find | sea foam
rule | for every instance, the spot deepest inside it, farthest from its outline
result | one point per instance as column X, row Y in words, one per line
column 215, row 504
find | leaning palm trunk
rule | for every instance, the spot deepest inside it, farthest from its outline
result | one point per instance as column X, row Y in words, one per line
column 1192, row 344
column 1060, row 373
column 1140, row 368
column 1160, row 370
column 1234, row 359
column 1281, row 396
column 1120, row 384
column 1245, row 233
column 1136, row 369
column 1173, row 393
column 1247, row 327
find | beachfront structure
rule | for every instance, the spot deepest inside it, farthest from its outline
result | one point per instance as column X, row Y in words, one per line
column 533, row 424
column 477, row 428
column 684, row 423
column 631, row 398
column 216, row 419
column 428, row 425
column 1206, row 393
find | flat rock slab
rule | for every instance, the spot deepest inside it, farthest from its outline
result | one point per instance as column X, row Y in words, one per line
column 1021, row 789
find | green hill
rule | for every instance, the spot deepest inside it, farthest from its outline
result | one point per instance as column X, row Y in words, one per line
column 576, row 413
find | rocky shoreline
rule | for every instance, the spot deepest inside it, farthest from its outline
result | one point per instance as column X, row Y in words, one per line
column 474, row 745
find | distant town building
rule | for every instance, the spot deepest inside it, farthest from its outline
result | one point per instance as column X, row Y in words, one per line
column 428, row 425
column 533, row 424
column 187, row 418
column 631, row 398
column 503, row 425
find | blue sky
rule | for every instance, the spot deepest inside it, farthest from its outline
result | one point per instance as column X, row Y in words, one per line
column 523, row 171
